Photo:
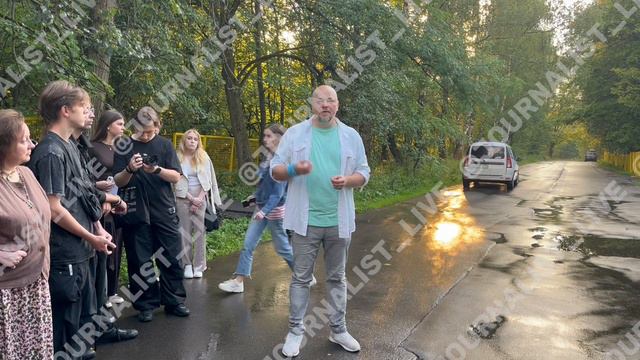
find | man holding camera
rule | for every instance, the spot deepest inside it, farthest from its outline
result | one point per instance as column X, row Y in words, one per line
column 144, row 174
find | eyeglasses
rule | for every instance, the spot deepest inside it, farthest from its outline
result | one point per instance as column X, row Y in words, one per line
column 321, row 101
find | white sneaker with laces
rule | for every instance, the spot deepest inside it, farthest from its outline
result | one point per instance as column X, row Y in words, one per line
column 231, row 286
column 291, row 346
column 188, row 272
column 116, row 299
column 345, row 340
column 197, row 274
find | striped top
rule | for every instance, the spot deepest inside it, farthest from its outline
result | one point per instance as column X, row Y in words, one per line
column 276, row 214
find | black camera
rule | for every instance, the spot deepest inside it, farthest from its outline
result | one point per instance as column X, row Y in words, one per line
column 151, row 160
column 249, row 201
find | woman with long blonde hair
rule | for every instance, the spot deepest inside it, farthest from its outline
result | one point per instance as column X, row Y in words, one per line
column 197, row 185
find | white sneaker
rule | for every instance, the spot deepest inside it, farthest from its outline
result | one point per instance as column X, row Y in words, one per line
column 231, row 286
column 108, row 305
column 197, row 274
column 116, row 299
column 188, row 272
column 291, row 346
column 313, row 281
column 346, row 341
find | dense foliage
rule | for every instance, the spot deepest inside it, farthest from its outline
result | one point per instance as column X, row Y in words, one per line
column 419, row 80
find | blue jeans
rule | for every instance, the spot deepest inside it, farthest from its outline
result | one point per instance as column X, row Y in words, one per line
column 305, row 252
column 252, row 238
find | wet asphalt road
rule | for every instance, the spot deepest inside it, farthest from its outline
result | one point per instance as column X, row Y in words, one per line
column 468, row 254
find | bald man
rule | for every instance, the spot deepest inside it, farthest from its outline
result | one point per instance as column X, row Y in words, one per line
column 323, row 159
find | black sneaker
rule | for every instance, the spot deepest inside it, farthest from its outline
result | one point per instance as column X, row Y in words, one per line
column 145, row 316
column 89, row 354
column 177, row 310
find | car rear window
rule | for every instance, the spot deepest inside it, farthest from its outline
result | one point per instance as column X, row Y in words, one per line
column 487, row 152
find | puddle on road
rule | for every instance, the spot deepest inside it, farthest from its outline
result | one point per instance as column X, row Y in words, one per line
column 612, row 246
column 553, row 212
column 593, row 245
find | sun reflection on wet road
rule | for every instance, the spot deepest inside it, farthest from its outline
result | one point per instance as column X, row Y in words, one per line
column 450, row 233
column 452, row 228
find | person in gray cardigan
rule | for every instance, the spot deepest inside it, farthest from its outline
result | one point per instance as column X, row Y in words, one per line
column 197, row 186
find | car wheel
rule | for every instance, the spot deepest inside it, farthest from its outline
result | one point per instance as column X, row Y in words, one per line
column 465, row 184
column 510, row 185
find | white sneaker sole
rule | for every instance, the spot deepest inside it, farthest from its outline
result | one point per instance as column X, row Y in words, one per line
column 344, row 347
column 237, row 291
column 290, row 355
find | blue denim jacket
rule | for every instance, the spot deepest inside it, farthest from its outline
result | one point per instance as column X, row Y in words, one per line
column 270, row 194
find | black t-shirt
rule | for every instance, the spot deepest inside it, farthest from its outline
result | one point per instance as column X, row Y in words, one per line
column 158, row 198
column 51, row 163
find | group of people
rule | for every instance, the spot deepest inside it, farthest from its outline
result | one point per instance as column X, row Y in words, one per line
column 70, row 205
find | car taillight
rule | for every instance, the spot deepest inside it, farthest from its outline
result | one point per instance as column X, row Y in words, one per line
column 509, row 164
column 466, row 161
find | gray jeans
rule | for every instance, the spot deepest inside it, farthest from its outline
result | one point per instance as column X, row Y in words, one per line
column 305, row 252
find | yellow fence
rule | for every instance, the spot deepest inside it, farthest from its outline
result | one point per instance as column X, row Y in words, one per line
column 628, row 162
column 221, row 149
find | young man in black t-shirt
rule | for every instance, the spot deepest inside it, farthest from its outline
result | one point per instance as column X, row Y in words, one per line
column 110, row 203
column 75, row 231
column 144, row 175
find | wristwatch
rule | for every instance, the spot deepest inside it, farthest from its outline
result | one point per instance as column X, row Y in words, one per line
column 157, row 170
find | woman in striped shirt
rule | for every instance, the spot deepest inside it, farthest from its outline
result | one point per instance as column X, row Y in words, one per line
column 270, row 198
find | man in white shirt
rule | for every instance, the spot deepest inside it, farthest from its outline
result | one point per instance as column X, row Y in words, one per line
column 323, row 159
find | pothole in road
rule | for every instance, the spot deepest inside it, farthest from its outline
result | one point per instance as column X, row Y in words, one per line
column 486, row 330
column 538, row 229
column 497, row 237
column 538, row 232
column 521, row 252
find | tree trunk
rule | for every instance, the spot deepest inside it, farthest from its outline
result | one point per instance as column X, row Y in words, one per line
column 257, row 37
column 233, row 93
column 393, row 148
column 222, row 13
column 102, row 17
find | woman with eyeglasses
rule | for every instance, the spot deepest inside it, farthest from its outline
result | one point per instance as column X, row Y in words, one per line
column 25, row 303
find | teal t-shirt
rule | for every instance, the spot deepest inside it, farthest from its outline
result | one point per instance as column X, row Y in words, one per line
column 325, row 157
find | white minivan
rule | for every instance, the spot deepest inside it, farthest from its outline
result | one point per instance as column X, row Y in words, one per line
column 490, row 162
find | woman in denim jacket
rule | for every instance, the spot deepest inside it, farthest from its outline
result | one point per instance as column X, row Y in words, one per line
column 270, row 197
